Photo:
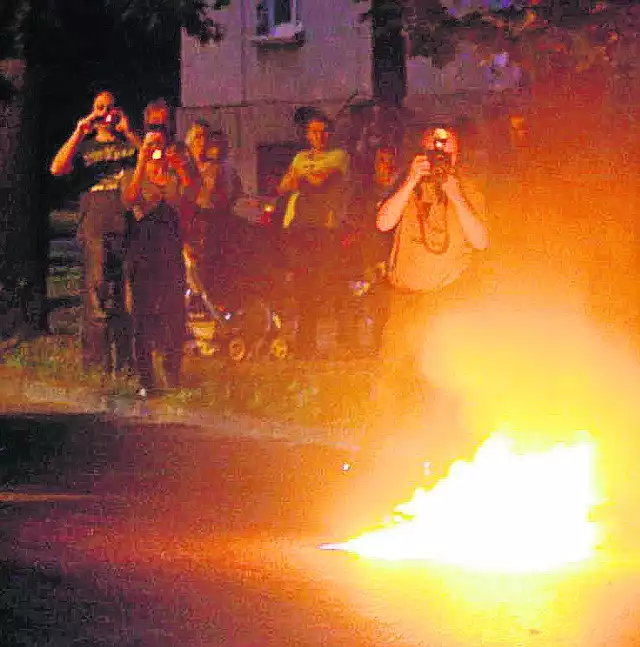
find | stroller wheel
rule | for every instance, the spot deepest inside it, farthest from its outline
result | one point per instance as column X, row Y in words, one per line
column 279, row 348
column 206, row 348
column 237, row 349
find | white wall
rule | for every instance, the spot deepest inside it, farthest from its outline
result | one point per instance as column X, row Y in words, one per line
column 252, row 92
column 334, row 61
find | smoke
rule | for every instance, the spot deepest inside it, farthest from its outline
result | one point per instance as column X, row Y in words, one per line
column 548, row 345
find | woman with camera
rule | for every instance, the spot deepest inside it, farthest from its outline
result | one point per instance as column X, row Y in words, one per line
column 160, row 190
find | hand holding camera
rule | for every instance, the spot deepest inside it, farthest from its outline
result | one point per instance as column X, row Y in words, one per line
column 153, row 146
column 176, row 158
column 114, row 119
column 86, row 125
column 419, row 169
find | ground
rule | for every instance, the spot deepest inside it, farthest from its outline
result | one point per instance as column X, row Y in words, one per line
column 117, row 533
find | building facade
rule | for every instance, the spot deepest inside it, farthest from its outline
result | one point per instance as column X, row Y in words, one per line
column 279, row 55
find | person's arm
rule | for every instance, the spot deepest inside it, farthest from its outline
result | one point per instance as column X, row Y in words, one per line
column 475, row 230
column 132, row 191
column 290, row 181
column 336, row 169
column 186, row 170
column 391, row 209
column 62, row 163
column 124, row 128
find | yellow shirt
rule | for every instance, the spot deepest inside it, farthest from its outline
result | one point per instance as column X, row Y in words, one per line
column 328, row 200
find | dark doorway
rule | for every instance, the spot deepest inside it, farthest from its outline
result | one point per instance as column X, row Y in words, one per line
column 273, row 161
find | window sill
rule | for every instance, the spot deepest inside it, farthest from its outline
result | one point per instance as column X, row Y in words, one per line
column 280, row 40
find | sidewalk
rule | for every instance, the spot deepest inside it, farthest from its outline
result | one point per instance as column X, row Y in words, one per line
column 22, row 391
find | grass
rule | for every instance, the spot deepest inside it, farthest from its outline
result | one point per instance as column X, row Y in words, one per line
column 56, row 359
column 319, row 394
column 316, row 393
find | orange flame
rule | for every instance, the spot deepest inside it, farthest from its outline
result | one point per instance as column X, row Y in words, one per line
column 504, row 511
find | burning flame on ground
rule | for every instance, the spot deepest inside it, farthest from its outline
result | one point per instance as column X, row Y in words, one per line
column 505, row 511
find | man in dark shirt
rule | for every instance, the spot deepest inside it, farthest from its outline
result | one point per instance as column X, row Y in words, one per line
column 99, row 150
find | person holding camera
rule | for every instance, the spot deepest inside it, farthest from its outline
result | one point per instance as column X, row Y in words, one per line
column 163, row 186
column 99, row 150
column 438, row 222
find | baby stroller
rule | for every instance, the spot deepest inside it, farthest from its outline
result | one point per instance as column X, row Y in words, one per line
column 230, row 302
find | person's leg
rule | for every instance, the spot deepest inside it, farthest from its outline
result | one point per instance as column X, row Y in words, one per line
column 102, row 224
column 143, row 318
column 123, row 343
column 93, row 326
column 309, row 306
column 390, row 463
column 116, row 305
column 170, row 282
column 174, row 323
column 379, row 301
column 142, row 339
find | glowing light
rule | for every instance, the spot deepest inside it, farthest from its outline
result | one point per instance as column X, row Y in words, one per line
column 504, row 511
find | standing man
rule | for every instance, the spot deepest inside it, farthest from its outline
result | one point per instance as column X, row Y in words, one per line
column 101, row 147
column 438, row 224
column 316, row 182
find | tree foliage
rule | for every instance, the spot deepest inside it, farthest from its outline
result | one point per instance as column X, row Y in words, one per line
column 574, row 34
column 73, row 34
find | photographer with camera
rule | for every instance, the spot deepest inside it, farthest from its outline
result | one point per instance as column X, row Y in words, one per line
column 99, row 150
column 438, row 222
column 161, row 189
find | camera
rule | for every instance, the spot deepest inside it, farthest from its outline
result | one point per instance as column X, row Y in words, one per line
column 440, row 159
column 112, row 119
column 161, row 130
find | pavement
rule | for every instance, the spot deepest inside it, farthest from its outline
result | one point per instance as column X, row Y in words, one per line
column 152, row 523
column 154, row 535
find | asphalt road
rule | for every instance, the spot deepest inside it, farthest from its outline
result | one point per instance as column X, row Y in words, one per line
column 118, row 534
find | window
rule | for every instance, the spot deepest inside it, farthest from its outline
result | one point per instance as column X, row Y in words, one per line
column 278, row 19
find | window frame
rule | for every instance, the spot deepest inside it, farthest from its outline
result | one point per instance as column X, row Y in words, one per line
column 268, row 33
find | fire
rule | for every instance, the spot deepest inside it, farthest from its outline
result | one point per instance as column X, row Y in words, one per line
column 505, row 511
